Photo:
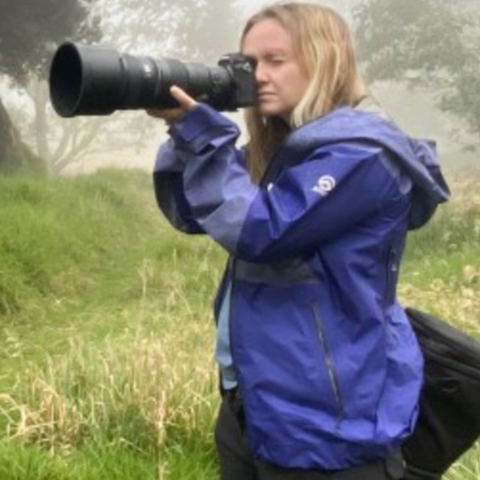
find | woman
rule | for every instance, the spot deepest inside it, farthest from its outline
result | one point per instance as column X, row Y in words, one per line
column 320, row 370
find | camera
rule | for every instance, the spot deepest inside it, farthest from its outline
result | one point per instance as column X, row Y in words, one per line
column 96, row 80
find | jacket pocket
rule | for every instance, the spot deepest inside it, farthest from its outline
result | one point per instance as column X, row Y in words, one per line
column 329, row 363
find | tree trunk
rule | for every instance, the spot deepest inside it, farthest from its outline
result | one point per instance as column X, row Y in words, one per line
column 15, row 156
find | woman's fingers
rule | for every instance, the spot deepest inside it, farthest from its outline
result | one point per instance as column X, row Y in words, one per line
column 184, row 100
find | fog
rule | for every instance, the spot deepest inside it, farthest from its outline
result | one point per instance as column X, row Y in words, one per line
column 425, row 74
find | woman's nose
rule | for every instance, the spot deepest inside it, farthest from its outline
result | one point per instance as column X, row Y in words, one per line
column 260, row 73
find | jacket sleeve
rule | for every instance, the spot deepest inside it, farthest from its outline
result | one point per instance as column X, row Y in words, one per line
column 312, row 202
column 168, row 186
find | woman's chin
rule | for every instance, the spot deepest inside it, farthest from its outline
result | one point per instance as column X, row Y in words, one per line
column 267, row 110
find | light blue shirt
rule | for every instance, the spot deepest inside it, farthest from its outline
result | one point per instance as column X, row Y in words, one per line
column 223, row 354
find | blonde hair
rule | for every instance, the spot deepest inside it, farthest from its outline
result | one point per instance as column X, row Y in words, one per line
column 324, row 48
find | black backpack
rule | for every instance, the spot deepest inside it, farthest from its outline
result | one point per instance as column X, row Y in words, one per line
column 449, row 417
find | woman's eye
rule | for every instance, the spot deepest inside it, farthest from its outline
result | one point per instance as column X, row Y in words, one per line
column 276, row 60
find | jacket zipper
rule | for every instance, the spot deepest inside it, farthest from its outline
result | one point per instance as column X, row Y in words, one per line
column 329, row 364
column 391, row 270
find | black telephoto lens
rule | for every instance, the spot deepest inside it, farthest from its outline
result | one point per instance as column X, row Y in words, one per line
column 95, row 80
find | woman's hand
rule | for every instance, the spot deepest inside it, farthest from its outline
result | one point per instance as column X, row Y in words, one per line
column 185, row 101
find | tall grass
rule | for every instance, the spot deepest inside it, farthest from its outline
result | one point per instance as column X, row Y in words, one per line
column 106, row 371
column 107, row 368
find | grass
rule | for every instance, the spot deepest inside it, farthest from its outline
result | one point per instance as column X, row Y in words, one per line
column 106, row 369
column 441, row 272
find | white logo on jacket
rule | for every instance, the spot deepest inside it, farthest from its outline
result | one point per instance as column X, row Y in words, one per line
column 325, row 184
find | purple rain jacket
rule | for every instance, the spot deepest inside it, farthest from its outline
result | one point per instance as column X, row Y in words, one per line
column 326, row 361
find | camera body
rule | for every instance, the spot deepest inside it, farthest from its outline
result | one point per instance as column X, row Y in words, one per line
column 242, row 71
column 95, row 80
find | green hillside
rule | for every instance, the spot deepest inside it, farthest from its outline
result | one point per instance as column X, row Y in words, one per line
column 106, row 367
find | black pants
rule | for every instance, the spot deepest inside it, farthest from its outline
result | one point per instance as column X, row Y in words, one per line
column 237, row 463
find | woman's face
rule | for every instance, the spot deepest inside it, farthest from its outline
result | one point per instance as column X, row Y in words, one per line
column 281, row 81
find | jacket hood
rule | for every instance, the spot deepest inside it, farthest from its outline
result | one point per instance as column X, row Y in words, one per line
column 416, row 158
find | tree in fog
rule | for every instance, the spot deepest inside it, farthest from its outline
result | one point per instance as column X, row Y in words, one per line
column 431, row 44
column 172, row 30
column 191, row 30
column 29, row 29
